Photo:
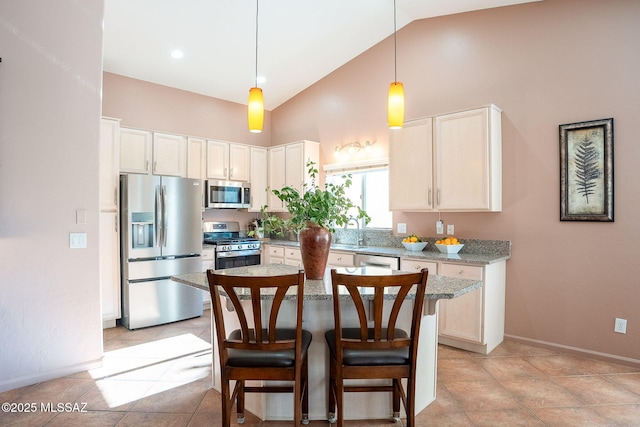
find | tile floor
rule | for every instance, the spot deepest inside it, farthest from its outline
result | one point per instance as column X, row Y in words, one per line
column 160, row 376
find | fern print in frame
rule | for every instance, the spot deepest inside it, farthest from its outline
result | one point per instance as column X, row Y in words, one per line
column 586, row 171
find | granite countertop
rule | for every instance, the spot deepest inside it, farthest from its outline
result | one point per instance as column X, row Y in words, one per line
column 475, row 252
column 438, row 287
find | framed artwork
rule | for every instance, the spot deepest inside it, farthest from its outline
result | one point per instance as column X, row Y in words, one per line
column 586, row 171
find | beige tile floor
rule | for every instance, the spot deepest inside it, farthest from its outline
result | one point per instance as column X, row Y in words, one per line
column 160, row 376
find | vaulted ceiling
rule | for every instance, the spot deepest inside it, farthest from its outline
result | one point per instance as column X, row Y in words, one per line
column 299, row 41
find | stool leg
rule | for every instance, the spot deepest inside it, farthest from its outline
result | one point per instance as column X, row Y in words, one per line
column 240, row 403
column 331, row 407
column 396, row 399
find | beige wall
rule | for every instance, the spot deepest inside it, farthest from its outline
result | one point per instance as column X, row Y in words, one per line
column 149, row 106
column 545, row 64
column 50, row 77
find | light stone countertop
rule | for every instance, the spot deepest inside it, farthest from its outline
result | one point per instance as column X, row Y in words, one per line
column 477, row 252
column 438, row 287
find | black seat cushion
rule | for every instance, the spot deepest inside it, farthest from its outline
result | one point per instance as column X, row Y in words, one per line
column 259, row 358
column 356, row 357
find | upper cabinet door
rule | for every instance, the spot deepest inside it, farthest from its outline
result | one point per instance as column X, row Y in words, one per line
column 135, row 150
column 259, row 178
column 109, row 164
column 169, row 155
column 468, row 158
column 239, row 162
column 411, row 167
column 196, row 158
column 276, row 177
column 217, row 160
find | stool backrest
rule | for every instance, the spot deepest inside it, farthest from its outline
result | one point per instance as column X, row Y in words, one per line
column 258, row 320
column 377, row 329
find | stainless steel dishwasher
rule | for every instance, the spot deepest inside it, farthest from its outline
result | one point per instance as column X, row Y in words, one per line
column 362, row 260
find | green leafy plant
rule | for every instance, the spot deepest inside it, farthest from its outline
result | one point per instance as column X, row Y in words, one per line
column 329, row 207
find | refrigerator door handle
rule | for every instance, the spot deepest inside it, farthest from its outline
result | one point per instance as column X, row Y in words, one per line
column 164, row 215
column 158, row 217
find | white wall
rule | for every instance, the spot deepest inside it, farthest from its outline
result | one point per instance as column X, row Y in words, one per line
column 50, row 97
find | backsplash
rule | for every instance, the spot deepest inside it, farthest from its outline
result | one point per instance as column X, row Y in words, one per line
column 386, row 239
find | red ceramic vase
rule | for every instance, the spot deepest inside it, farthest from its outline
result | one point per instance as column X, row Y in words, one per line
column 315, row 242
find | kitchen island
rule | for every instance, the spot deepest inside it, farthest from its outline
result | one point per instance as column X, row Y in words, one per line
column 318, row 318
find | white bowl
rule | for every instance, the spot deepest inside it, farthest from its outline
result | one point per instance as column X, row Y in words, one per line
column 416, row 246
column 449, row 249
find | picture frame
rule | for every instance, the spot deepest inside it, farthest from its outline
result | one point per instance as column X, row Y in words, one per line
column 586, row 171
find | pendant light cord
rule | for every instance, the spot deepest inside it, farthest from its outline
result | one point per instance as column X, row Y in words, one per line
column 257, row 43
column 395, row 47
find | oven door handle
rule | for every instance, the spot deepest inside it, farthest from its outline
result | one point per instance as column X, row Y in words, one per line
column 235, row 254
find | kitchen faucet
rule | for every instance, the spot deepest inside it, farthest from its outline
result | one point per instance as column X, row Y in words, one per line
column 359, row 237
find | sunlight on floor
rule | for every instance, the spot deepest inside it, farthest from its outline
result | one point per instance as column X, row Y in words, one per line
column 175, row 361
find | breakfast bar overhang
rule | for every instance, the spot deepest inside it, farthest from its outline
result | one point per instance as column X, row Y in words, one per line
column 318, row 318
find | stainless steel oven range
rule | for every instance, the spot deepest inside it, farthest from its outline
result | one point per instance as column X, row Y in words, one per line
column 231, row 249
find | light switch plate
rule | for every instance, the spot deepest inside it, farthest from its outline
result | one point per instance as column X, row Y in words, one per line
column 450, row 229
column 77, row 240
column 402, row 227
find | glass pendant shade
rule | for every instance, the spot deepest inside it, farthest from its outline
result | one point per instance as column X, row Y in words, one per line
column 256, row 110
column 395, row 106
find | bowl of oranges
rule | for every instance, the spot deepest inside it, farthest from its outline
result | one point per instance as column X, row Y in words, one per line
column 449, row 245
column 413, row 243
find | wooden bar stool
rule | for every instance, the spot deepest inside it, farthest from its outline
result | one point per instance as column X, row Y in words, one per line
column 375, row 348
column 256, row 351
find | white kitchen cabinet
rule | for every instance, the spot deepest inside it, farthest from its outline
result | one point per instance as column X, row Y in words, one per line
column 293, row 256
column 135, row 150
column 259, row 177
column 339, row 259
column 109, row 255
column 452, row 162
column 275, row 254
column 276, row 177
column 169, row 154
column 414, row 265
column 474, row 321
column 288, row 167
column 411, row 166
column 109, row 242
column 109, row 164
column 272, row 254
column 227, row 161
column 468, row 155
column 196, row 158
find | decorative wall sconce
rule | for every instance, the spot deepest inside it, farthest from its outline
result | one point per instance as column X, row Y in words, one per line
column 352, row 148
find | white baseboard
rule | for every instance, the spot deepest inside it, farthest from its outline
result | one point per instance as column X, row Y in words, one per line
column 576, row 350
column 58, row 373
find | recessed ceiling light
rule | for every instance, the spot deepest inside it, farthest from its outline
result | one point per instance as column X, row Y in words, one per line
column 177, row 54
column 261, row 79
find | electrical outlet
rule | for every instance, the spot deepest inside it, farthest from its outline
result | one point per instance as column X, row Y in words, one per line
column 402, row 227
column 439, row 227
column 77, row 240
column 450, row 229
column 620, row 326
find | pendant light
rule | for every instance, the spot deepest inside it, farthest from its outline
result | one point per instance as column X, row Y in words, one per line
column 255, row 107
column 395, row 103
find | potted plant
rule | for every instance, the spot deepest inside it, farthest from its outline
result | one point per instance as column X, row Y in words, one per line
column 314, row 214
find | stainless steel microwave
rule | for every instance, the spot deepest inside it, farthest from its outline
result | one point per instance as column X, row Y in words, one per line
column 227, row 194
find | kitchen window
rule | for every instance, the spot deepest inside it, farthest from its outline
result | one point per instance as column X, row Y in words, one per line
column 369, row 189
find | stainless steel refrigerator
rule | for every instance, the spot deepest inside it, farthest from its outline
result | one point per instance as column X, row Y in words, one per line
column 161, row 236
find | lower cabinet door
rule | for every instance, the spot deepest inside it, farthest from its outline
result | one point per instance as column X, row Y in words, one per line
column 462, row 317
